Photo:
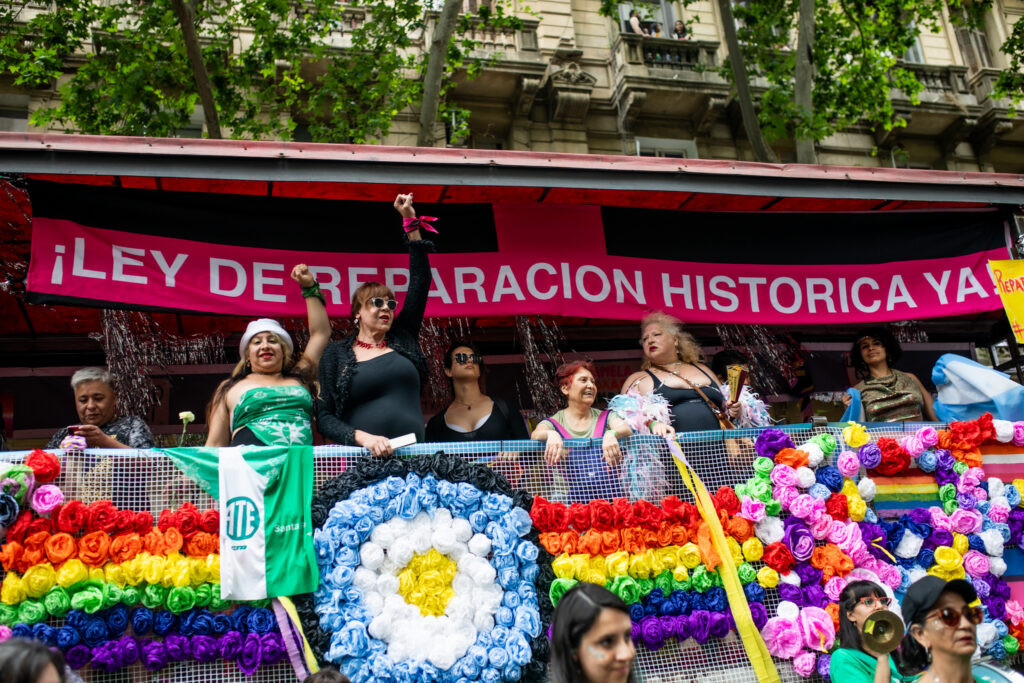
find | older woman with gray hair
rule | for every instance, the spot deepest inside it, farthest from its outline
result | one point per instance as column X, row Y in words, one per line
column 96, row 403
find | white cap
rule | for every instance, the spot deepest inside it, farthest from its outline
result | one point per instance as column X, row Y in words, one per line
column 264, row 325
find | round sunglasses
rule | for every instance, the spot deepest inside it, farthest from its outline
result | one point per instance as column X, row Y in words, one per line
column 951, row 617
column 380, row 302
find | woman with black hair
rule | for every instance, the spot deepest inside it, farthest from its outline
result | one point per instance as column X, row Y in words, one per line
column 941, row 630
column 852, row 662
column 887, row 394
column 472, row 415
column 591, row 638
column 29, row 661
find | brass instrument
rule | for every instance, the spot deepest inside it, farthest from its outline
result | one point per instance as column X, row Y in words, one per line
column 882, row 632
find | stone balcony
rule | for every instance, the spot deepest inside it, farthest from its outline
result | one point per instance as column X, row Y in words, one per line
column 664, row 54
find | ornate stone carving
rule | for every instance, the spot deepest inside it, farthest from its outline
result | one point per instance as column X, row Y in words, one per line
column 526, row 93
column 714, row 106
column 568, row 86
column 629, row 106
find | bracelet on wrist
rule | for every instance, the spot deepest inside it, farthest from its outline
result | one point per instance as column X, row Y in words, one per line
column 314, row 291
column 414, row 223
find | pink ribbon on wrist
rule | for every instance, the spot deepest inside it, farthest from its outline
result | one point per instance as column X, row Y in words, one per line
column 415, row 223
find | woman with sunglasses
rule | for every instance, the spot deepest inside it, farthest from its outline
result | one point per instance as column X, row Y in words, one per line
column 370, row 381
column 852, row 662
column 472, row 415
column 941, row 630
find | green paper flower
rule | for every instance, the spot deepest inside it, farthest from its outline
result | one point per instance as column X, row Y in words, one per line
column 31, row 611
column 181, row 598
column 57, row 601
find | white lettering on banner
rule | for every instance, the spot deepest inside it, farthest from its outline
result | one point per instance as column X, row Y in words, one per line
column 57, row 274
column 855, row 294
column 531, row 281
column 606, row 286
column 622, row 284
column 169, row 271
column 773, row 295
column 507, row 284
column 437, row 288
column 700, row 293
column 392, row 283
column 354, row 280
column 968, row 285
column 566, row 282
column 716, row 284
column 78, row 264
column 753, row 282
column 476, row 284
column 240, row 280
column 329, row 279
column 824, row 296
column 120, row 261
column 898, row 294
column 844, row 304
column 940, row 286
column 259, row 281
column 668, row 290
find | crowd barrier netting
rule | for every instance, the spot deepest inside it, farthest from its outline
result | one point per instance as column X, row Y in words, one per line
column 149, row 481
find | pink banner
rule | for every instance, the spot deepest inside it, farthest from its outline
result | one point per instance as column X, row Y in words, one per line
column 552, row 262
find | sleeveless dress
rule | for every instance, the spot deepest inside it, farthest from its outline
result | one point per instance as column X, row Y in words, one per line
column 584, row 469
column 893, row 398
column 690, row 413
column 275, row 416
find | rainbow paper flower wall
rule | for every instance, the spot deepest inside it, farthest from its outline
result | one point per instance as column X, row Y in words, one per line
column 110, row 589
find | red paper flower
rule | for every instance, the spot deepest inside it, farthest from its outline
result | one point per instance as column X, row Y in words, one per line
column 894, row 458
column 188, row 519
column 39, row 524
column 45, row 466
column 837, row 506
column 546, row 516
column 16, row 531
column 623, row 513
column 71, row 517
column 102, row 517
column 124, row 522
column 210, row 521
column 778, row 557
column 602, row 516
column 985, row 428
column 648, row 515
column 726, row 499
column 166, row 520
column 142, row 524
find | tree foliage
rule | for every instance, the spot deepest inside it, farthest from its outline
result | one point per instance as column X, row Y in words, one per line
column 121, row 65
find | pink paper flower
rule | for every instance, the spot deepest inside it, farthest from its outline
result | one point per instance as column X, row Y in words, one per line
column 46, row 498
column 784, row 475
column 976, row 564
column 803, row 664
column 839, row 533
column 834, row 587
column 785, row 495
column 5, row 632
column 972, row 477
column 1018, row 433
column 929, row 436
column 1014, row 612
column 783, row 637
column 802, row 506
column 752, row 509
column 848, row 464
column 889, row 575
column 940, row 520
column 817, row 628
column 912, row 445
column 821, row 527
column 999, row 513
column 965, row 521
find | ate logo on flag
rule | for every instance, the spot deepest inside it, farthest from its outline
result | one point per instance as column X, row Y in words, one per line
column 243, row 520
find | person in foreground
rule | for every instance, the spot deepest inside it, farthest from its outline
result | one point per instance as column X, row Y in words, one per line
column 852, row 662
column 886, row 394
column 941, row 630
column 370, row 381
column 591, row 638
column 29, row 661
column 96, row 403
column 268, row 400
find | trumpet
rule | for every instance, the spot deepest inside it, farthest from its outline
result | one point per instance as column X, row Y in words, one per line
column 882, row 632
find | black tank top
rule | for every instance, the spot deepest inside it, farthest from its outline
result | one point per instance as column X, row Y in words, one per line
column 690, row 413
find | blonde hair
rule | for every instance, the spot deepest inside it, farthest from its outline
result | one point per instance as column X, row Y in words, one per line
column 687, row 348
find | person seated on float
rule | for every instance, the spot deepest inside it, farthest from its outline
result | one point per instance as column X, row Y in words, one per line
column 941, row 630
column 473, row 415
column 886, row 394
column 591, row 638
column 268, row 400
column 753, row 411
column 852, row 662
column 96, row 403
column 370, row 381
column 672, row 368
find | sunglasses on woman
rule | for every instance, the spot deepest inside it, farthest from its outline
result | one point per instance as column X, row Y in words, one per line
column 379, row 302
column 951, row 617
column 872, row 600
column 466, row 357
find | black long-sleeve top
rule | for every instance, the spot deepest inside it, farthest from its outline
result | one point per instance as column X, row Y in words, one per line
column 338, row 365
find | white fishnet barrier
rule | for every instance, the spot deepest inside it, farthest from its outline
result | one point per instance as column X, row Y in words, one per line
column 147, row 480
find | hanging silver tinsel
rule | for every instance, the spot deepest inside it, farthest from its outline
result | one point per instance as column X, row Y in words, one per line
column 540, row 376
column 435, row 336
column 771, row 359
column 132, row 342
column 908, row 332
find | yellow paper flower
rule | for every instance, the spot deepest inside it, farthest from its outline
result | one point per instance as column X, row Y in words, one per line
column 753, row 549
column 948, row 559
column 668, row 557
column 1019, row 485
column 38, row 580
column 134, row 568
column 153, row 569
column 617, row 564
column 855, row 435
column 849, row 488
column 961, row 544
column 213, row 568
column 426, row 581
column 580, row 565
column 767, row 577
column 689, row 555
column 640, row 566
column 856, row 508
column 96, row 574
column 562, row 566
column 598, row 578
column 13, row 590
column 680, row 574
column 734, row 549
column 114, row 573
column 71, row 572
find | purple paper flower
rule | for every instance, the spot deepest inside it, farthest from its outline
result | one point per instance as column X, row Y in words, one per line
column 78, row 656
column 870, row 455
column 273, row 646
column 204, row 648
column 719, row 627
column 798, row 539
column 788, row 591
column 107, row 657
column 153, row 654
column 652, row 635
column 944, row 460
column 823, row 664
column 249, row 659
column 129, row 650
column 943, row 477
column 808, row 574
column 942, row 537
column 700, row 625
column 230, row 644
column 815, row 596
column 178, row 647
column 996, row 608
column 771, row 441
column 759, row 613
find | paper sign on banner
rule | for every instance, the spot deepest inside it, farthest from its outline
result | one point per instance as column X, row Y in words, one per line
column 1009, row 279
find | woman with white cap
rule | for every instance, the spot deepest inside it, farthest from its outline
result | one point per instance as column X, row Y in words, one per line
column 268, row 400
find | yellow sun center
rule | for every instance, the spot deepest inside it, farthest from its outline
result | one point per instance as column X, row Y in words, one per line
column 427, row 582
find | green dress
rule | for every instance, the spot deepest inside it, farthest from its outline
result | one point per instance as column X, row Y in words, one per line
column 277, row 416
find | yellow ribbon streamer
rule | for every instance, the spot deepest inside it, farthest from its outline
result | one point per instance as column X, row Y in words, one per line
column 753, row 643
column 307, row 651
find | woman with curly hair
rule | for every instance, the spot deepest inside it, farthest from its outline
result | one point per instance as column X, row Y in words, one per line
column 886, row 394
column 672, row 368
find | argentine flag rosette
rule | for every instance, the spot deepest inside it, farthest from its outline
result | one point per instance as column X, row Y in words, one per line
column 428, row 572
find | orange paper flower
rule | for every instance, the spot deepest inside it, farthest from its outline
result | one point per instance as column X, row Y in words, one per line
column 740, row 528
column 34, row 551
column 791, row 457
column 831, row 561
column 60, row 547
column 202, row 544
column 125, row 547
column 10, row 555
column 173, row 540
column 94, row 548
column 153, row 542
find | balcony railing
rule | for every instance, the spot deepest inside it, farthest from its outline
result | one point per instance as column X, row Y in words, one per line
column 665, row 53
column 940, row 79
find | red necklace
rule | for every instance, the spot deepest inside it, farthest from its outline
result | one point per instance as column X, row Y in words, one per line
column 366, row 345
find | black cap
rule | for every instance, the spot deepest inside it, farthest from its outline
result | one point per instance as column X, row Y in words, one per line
column 925, row 592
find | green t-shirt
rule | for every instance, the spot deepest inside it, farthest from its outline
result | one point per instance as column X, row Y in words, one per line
column 853, row 666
